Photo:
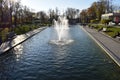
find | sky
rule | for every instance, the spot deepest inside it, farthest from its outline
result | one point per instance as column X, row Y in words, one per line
column 45, row 5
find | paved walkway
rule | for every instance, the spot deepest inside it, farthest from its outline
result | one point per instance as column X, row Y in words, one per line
column 110, row 45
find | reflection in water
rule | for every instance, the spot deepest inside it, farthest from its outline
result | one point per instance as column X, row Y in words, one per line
column 60, row 56
column 18, row 50
column 36, row 59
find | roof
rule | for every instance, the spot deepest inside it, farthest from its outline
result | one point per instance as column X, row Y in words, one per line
column 110, row 14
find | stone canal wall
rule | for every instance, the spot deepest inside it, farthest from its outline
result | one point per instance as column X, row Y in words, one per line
column 108, row 44
column 18, row 40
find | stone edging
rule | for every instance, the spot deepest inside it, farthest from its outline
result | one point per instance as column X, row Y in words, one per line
column 110, row 53
column 6, row 46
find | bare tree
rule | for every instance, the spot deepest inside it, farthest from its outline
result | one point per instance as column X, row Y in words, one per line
column 83, row 16
column 11, row 9
column 16, row 12
column 2, row 9
column 72, row 13
column 42, row 17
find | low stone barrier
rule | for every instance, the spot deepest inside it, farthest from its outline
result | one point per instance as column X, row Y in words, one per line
column 18, row 40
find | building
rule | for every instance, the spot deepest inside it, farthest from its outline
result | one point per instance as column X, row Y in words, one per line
column 115, row 17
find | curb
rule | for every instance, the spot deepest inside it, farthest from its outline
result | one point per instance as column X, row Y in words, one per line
column 6, row 46
column 110, row 53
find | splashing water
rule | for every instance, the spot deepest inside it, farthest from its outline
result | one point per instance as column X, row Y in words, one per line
column 61, row 26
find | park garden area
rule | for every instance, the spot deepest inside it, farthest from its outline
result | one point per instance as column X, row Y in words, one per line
column 16, row 19
column 9, row 33
column 103, row 14
column 111, row 31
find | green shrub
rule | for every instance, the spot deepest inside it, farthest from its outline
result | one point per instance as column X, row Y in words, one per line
column 94, row 21
column 105, row 21
column 3, row 34
column 20, row 29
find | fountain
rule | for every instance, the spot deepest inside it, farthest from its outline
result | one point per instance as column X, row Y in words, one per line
column 61, row 27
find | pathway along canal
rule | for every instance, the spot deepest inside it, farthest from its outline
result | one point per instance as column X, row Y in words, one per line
column 36, row 59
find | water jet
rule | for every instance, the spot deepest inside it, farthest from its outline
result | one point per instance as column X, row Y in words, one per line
column 61, row 27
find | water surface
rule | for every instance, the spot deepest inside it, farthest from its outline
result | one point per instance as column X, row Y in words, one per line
column 37, row 59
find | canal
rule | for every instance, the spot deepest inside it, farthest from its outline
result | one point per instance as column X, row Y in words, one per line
column 37, row 59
